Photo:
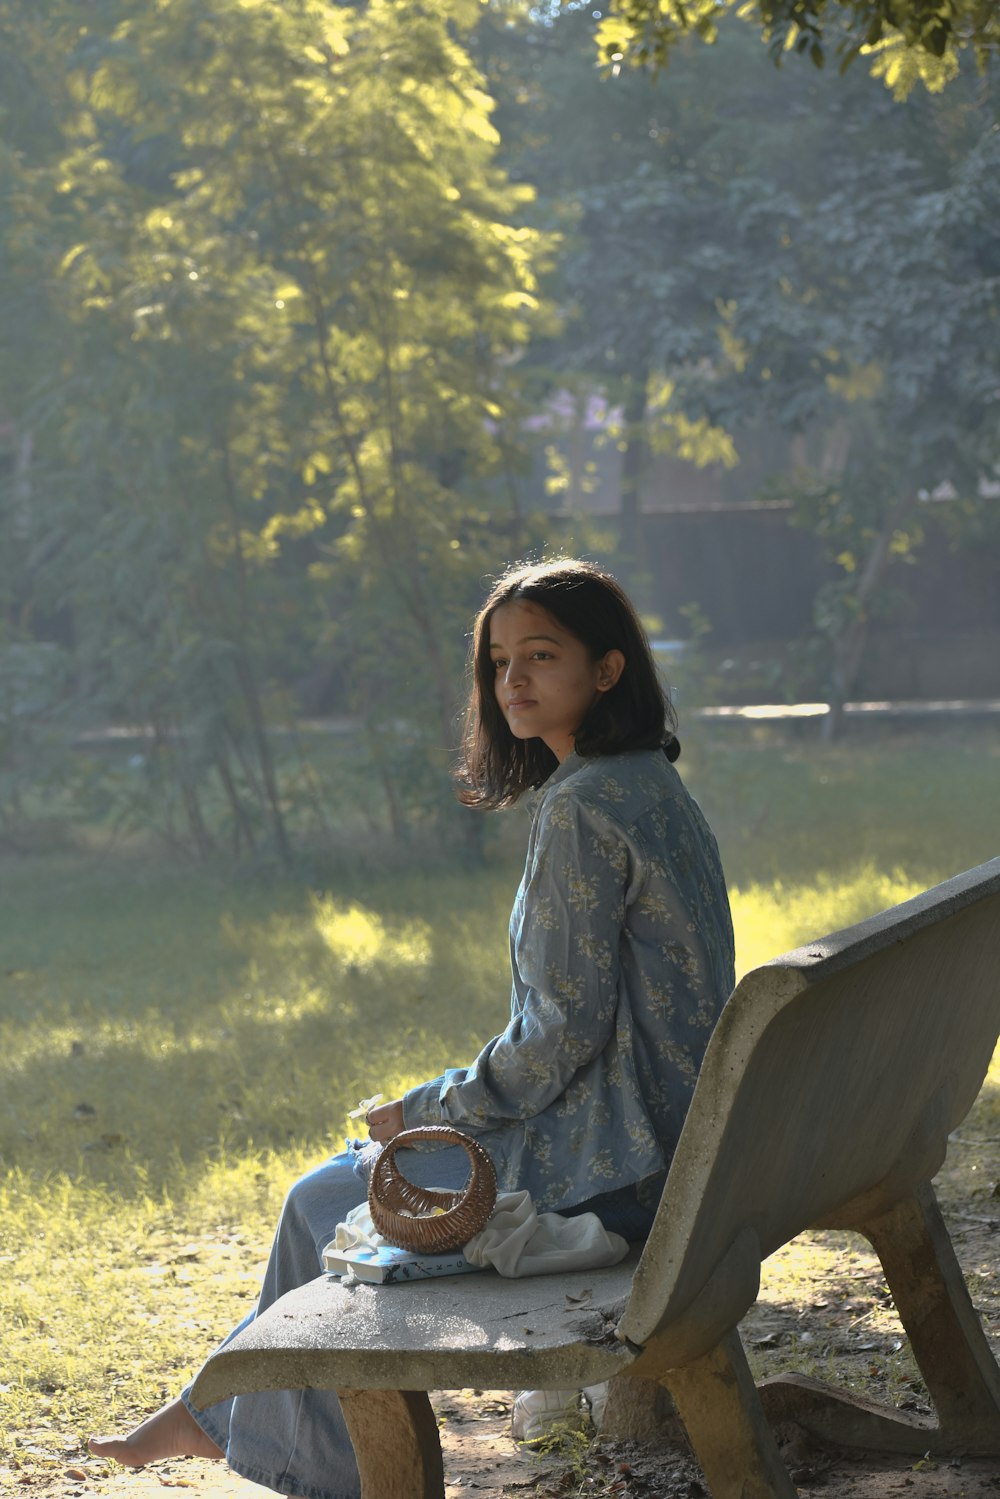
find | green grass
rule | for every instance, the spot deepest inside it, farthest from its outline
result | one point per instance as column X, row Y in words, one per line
column 175, row 1046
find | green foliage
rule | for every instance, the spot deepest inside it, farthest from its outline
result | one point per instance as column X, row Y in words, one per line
column 632, row 174
column 872, row 338
column 826, row 316
column 33, row 747
column 274, row 300
column 907, row 39
column 294, row 287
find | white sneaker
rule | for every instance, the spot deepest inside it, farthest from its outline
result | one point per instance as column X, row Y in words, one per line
column 536, row 1412
column 596, row 1398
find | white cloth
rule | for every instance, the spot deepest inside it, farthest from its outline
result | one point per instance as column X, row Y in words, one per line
column 517, row 1239
column 356, row 1230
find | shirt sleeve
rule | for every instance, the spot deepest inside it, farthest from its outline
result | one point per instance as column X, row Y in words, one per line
column 565, row 936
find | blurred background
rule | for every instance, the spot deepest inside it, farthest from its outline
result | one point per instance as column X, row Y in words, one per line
column 314, row 317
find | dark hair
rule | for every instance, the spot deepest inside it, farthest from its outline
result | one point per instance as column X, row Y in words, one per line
column 635, row 714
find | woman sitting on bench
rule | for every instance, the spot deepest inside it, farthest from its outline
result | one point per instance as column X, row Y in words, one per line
column 622, row 956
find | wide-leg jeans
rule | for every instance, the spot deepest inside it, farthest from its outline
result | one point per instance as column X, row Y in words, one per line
column 296, row 1441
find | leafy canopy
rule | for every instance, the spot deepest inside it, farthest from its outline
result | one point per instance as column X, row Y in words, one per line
column 906, row 40
column 292, row 288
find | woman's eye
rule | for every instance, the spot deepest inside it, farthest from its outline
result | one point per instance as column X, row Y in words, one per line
column 499, row 665
column 542, row 656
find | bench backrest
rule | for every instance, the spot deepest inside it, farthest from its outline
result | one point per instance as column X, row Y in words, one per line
column 827, row 1093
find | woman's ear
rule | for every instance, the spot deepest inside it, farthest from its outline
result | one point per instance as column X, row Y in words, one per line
column 609, row 670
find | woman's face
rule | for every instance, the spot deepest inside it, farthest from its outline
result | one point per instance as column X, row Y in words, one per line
column 546, row 679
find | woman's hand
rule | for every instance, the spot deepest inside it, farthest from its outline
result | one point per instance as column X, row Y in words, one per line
column 385, row 1121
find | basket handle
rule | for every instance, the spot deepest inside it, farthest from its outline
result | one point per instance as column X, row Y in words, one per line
column 438, row 1135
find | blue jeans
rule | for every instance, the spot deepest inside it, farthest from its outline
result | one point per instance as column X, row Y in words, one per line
column 295, row 1441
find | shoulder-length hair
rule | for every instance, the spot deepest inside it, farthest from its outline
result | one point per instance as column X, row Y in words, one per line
column 635, row 714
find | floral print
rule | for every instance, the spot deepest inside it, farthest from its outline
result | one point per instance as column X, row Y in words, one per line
column 622, row 957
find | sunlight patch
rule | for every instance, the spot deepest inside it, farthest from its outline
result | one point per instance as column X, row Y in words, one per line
column 359, row 938
column 771, row 918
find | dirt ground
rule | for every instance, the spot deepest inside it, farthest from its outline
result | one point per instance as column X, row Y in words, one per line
column 823, row 1309
column 483, row 1462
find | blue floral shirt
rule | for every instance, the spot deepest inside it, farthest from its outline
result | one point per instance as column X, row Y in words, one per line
column 621, row 948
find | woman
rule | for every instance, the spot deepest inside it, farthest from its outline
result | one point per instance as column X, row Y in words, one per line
column 622, row 957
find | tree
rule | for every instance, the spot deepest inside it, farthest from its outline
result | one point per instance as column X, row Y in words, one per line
column 35, row 224
column 802, row 256
column 298, row 292
column 628, row 171
column 864, row 323
column 906, row 40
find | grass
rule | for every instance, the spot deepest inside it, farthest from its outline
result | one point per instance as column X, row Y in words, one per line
column 176, row 1045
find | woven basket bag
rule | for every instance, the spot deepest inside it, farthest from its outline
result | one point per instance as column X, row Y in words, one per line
column 430, row 1220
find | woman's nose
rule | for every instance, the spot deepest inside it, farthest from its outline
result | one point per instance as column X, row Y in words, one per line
column 514, row 673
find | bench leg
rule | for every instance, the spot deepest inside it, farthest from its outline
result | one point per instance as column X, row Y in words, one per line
column 396, row 1443
column 941, row 1323
column 948, row 1343
column 717, row 1401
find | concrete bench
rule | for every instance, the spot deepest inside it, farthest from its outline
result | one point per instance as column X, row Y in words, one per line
column 826, row 1097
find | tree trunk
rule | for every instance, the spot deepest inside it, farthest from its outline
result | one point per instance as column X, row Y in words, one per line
column 242, row 826
column 849, row 646
column 633, row 466
column 247, row 677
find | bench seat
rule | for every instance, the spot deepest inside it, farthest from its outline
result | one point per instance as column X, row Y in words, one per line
column 825, row 1099
column 455, row 1332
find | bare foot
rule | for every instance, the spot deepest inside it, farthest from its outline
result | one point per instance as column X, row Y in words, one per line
column 172, row 1432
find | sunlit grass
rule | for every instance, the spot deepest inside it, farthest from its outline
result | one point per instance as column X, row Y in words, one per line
column 771, row 917
column 175, row 1047
column 165, row 1072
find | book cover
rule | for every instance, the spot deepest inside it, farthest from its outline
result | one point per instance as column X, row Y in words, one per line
column 387, row 1265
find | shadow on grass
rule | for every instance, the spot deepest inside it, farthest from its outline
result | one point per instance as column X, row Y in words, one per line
column 922, row 799
column 160, row 1029
column 202, row 1018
